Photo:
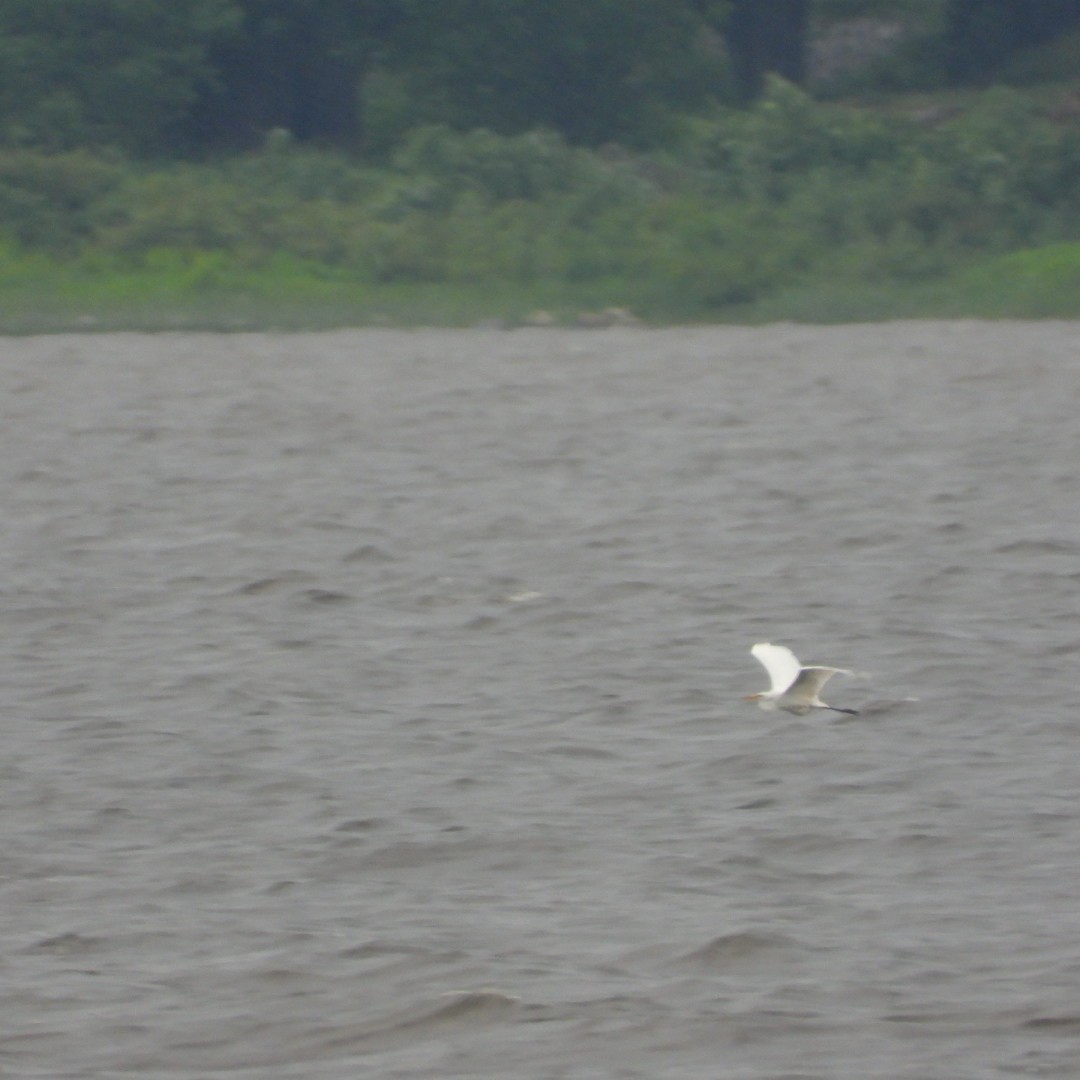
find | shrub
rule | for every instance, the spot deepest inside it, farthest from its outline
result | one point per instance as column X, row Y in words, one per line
column 533, row 165
column 762, row 152
column 47, row 200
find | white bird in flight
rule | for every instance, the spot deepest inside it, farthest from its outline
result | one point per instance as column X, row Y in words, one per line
column 794, row 688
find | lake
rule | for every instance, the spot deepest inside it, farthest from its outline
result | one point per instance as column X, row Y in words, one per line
column 373, row 704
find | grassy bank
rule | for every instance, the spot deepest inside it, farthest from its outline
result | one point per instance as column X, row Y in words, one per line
column 64, row 297
column 1036, row 283
column 791, row 210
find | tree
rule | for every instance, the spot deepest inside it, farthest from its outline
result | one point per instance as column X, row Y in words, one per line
column 766, row 37
column 982, row 34
column 297, row 65
column 594, row 71
column 113, row 72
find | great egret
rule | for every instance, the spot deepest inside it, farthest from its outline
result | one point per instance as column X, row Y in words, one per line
column 794, row 688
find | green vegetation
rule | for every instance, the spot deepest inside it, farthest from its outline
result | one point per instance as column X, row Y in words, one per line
column 788, row 209
column 880, row 198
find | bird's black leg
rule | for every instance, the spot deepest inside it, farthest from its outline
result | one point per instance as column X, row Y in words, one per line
column 850, row 712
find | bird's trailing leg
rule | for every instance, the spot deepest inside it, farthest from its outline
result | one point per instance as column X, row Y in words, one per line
column 833, row 708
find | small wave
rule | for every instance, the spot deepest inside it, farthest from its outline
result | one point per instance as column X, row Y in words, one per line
column 576, row 750
column 868, row 540
column 369, row 553
column 881, row 706
column 1059, row 1025
column 735, row 948
column 456, row 1008
column 413, row 854
column 270, row 584
column 1038, row 547
column 354, row 825
column 67, row 944
column 323, row 596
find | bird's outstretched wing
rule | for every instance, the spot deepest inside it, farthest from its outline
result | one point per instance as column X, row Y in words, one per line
column 811, row 679
column 779, row 661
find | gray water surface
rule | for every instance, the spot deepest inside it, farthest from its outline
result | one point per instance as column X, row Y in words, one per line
column 372, row 704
